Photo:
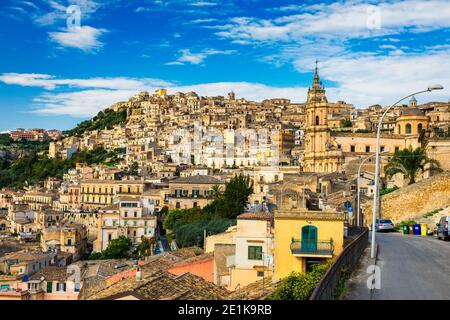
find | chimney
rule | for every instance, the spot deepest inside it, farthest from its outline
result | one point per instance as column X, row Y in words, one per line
column 138, row 273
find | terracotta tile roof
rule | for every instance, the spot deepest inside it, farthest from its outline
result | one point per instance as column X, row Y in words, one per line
column 256, row 216
column 204, row 256
column 52, row 274
column 26, row 256
column 200, row 179
column 165, row 286
column 255, row 290
column 188, row 252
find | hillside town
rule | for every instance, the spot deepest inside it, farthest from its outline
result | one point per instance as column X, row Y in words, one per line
column 168, row 189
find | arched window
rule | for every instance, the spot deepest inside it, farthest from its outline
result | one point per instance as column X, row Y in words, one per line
column 408, row 128
column 419, row 128
column 399, row 129
column 317, row 120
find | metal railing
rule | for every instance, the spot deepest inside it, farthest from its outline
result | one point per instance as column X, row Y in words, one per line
column 345, row 263
column 322, row 247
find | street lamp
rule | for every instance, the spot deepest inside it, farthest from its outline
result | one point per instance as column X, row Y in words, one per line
column 377, row 162
column 358, row 201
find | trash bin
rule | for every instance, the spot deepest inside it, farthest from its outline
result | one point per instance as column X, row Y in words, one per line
column 417, row 229
column 405, row 229
column 423, row 229
column 411, row 229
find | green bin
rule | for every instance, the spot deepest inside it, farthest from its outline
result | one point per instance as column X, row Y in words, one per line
column 405, row 229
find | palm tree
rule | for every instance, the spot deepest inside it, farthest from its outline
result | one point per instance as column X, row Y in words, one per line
column 411, row 162
column 216, row 192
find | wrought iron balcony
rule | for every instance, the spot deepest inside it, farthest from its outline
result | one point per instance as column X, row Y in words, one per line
column 303, row 248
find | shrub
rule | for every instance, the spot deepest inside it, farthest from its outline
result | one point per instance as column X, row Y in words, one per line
column 388, row 190
column 299, row 286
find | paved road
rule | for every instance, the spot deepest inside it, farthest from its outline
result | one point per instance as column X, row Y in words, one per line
column 411, row 268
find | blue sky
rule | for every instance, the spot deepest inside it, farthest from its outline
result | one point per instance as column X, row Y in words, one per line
column 370, row 52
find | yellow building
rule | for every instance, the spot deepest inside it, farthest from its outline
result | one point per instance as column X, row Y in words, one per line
column 412, row 121
column 96, row 194
column 190, row 192
column 305, row 238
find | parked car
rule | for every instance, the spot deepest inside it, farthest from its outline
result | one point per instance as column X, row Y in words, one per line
column 384, row 225
column 442, row 228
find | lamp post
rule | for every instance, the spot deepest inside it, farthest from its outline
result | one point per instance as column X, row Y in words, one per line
column 358, row 201
column 377, row 162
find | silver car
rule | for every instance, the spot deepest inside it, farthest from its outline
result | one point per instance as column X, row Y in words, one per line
column 384, row 225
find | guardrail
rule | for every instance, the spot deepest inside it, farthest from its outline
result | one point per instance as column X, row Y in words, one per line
column 344, row 264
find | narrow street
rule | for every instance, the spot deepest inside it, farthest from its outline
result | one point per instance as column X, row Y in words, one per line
column 411, row 267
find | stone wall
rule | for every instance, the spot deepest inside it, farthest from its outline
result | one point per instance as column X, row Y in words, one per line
column 413, row 200
column 90, row 220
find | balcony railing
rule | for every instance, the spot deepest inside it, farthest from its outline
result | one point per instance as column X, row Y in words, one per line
column 312, row 248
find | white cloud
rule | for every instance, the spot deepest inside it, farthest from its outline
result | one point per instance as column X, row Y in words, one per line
column 203, row 4
column 361, row 81
column 50, row 82
column 83, row 103
column 197, row 58
column 207, row 20
column 84, row 38
column 349, row 19
column 366, row 80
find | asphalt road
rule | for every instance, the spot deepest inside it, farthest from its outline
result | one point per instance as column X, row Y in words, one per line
column 413, row 267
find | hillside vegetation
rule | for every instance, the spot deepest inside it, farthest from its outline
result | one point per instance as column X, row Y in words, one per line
column 106, row 119
column 35, row 168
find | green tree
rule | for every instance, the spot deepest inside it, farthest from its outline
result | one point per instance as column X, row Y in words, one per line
column 410, row 162
column 145, row 248
column 347, row 123
column 235, row 196
column 117, row 249
column 216, row 192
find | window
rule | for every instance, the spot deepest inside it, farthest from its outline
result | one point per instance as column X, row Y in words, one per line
column 177, row 205
column 408, row 128
column 134, row 223
column 135, row 214
column 260, row 273
column 397, row 149
column 352, row 148
column 419, row 128
column 382, row 149
column 61, row 287
column 254, row 253
column 49, row 287
column 69, row 242
column 367, row 148
column 399, row 129
column 109, row 236
column 77, row 287
column 317, row 120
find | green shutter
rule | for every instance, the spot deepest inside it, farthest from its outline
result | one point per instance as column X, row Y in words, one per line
column 49, row 287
